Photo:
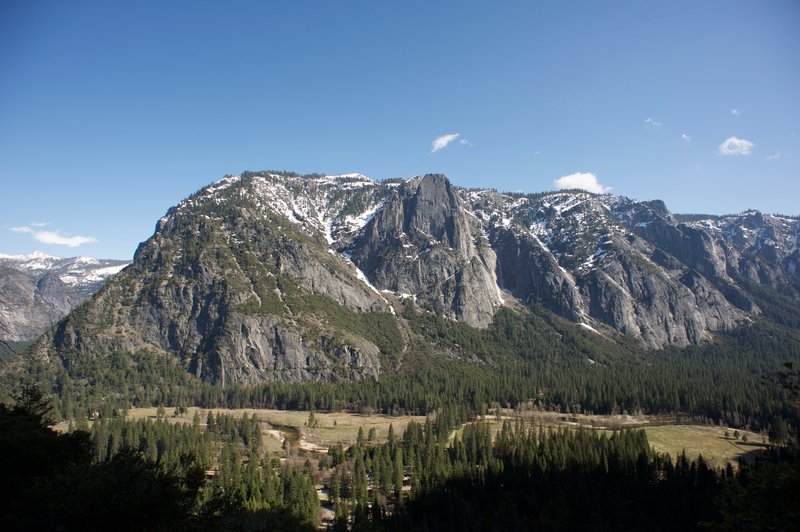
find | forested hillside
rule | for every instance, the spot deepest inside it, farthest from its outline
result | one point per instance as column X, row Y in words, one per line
column 519, row 359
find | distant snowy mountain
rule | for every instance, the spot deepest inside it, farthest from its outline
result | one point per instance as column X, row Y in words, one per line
column 37, row 290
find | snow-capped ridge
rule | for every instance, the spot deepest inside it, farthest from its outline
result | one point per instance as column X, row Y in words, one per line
column 36, row 255
column 595, row 250
column 83, row 273
column 41, row 289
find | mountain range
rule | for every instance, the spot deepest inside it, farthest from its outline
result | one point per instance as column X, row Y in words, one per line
column 37, row 290
column 277, row 276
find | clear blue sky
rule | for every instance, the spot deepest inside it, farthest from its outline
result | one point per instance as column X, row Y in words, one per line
column 111, row 112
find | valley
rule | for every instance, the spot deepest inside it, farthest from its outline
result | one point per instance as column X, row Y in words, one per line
column 407, row 353
column 665, row 433
column 399, row 266
column 37, row 290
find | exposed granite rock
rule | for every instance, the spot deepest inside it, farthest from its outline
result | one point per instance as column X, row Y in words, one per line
column 28, row 307
column 533, row 276
column 601, row 259
column 659, row 306
column 424, row 244
column 230, row 290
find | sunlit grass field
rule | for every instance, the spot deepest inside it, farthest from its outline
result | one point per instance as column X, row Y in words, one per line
column 329, row 428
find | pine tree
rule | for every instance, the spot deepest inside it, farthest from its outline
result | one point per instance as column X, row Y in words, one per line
column 398, row 472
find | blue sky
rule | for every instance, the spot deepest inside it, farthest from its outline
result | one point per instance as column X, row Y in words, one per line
column 111, row 112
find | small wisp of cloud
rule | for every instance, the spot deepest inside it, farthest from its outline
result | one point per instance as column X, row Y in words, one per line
column 53, row 237
column 583, row 180
column 440, row 143
column 736, row 112
column 774, row 157
column 735, row 146
column 686, row 138
column 650, row 122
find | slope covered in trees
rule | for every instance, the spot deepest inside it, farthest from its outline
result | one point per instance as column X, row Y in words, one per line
column 520, row 359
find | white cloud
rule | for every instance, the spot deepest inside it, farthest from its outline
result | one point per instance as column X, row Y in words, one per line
column 735, row 112
column 583, row 180
column 736, row 146
column 649, row 122
column 39, row 224
column 686, row 138
column 440, row 143
column 53, row 237
column 774, row 157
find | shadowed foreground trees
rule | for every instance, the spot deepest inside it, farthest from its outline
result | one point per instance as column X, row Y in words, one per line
column 530, row 478
column 52, row 482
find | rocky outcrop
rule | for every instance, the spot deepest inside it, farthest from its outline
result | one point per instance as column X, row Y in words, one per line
column 694, row 248
column 607, row 260
column 424, row 244
column 29, row 307
column 533, row 276
column 755, row 248
column 659, row 306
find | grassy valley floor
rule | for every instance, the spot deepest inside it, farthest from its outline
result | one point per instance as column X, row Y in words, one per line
column 665, row 434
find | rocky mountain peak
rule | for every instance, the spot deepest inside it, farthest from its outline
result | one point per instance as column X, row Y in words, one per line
column 423, row 244
column 433, row 210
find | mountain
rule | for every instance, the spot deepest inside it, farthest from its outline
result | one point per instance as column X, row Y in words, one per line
column 425, row 243
column 604, row 260
column 277, row 276
column 37, row 290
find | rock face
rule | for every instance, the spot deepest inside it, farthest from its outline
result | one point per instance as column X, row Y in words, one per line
column 754, row 247
column 239, row 283
column 423, row 242
column 276, row 276
column 605, row 260
column 38, row 290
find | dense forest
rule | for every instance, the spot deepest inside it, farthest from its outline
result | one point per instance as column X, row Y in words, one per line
column 151, row 474
column 520, row 360
column 144, row 475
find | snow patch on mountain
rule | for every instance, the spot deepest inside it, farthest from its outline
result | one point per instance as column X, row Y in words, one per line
column 77, row 272
column 363, row 278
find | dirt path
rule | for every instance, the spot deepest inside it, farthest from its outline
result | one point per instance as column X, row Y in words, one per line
column 306, row 445
column 278, row 435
